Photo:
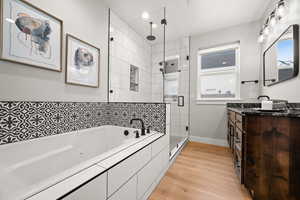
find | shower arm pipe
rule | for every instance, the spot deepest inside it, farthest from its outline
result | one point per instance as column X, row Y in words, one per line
column 164, row 53
column 151, row 23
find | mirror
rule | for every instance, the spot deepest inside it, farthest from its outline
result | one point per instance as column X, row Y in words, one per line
column 281, row 59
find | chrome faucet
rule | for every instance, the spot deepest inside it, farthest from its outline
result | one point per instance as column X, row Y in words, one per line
column 143, row 130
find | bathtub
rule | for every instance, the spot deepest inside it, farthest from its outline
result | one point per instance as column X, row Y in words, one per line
column 30, row 167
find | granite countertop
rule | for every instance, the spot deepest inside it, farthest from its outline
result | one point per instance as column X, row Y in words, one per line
column 252, row 109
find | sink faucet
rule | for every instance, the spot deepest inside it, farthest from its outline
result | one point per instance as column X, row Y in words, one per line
column 143, row 125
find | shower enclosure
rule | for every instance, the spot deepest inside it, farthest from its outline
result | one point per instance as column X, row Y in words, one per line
column 171, row 85
column 143, row 67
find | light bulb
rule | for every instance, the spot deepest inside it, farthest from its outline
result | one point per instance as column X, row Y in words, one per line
column 273, row 19
column 266, row 30
column 154, row 25
column 261, row 38
column 145, row 15
column 281, row 8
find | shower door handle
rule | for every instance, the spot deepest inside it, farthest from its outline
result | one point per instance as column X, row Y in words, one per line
column 180, row 101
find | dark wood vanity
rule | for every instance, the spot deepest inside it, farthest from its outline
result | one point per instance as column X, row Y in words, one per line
column 266, row 152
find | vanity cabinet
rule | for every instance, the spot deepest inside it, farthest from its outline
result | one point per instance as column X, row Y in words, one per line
column 272, row 160
column 266, row 153
column 235, row 137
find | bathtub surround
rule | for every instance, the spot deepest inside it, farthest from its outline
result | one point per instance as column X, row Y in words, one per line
column 21, row 121
column 69, row 166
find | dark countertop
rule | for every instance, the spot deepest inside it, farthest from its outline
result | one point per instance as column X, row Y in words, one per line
column 252, row 109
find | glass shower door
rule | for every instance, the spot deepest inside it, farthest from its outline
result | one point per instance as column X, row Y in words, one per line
column 176, row 92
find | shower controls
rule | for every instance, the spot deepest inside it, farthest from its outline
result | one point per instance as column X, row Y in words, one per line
column 126, row 132
column 137, row 134
column 148, row 129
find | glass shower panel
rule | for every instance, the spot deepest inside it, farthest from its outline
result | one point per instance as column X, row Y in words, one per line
column 176, row 85
column 130, row 55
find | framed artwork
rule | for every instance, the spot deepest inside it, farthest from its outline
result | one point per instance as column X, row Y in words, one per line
column 82, row 63
column 30, row 35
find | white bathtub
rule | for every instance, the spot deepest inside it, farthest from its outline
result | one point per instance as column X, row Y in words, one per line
column 29, row 167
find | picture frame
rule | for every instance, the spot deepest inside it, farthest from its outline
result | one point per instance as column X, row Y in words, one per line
column 30, row 36
column 82, row 63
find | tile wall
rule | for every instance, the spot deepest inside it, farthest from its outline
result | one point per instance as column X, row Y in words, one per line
column 128, row 48
column 21, row 121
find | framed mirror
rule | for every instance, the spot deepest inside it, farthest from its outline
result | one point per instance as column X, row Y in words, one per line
column 281, row 59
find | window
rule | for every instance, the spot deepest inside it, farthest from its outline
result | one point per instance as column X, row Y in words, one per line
column 134, row 78
column 218, row 73
column 171, row 78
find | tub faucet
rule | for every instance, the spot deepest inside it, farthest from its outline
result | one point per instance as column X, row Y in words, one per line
column 143, row 130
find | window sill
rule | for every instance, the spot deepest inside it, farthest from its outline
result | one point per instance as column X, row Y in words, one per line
column 216, row 101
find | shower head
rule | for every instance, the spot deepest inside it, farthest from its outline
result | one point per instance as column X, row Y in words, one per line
column 151, row 37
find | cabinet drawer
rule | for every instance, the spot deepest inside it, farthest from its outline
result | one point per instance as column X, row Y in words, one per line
column 238, row 136
column 119, row 174
column 94, row 190
column 231, row 116
column 239, row 121
column 159, row 145
column 151, row 172
column 127, row 191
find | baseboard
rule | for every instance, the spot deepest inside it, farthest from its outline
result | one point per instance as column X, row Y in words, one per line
column 176, row 151
column 207, row 140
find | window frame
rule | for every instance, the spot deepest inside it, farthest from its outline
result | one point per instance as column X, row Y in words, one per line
column 218, row 71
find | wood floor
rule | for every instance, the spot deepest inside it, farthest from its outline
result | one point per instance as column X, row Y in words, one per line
column 201, row 172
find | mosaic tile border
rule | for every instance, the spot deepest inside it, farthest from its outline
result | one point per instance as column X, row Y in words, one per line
column 21, row 121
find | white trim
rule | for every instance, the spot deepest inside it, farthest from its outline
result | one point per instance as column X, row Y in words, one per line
column 232, row 70
column 206, row 140
column 234, row 45
column 177, row 149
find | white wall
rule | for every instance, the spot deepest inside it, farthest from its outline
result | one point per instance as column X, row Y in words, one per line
column 87, row 20
column 208, row 119
column 129, row 48
column 289, row 89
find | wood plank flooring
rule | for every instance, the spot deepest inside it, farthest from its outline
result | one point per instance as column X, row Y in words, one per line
column 201, row 172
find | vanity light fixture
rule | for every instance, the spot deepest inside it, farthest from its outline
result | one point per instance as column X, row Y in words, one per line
column 281, row 8
column 145, row 16
column 261, row 37
column 266, row 29
column 276, row 15
column 273, row 19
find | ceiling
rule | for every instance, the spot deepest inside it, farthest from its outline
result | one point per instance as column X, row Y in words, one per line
column 188, row 17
